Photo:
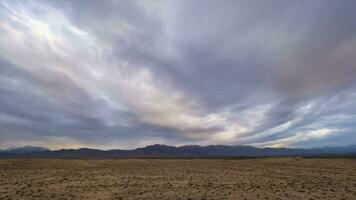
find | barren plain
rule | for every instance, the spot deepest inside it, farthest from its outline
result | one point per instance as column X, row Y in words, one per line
column 267, row 178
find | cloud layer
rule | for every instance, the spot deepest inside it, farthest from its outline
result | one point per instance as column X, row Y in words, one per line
column 123, row 74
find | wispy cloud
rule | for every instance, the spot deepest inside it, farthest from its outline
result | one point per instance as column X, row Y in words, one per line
column 132, row 73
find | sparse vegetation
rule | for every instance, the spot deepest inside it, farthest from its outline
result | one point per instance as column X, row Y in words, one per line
column 269, row 178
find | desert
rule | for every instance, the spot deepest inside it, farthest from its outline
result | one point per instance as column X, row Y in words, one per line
column 258, row 178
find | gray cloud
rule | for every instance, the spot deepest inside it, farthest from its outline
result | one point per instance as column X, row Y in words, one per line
column 131, row 73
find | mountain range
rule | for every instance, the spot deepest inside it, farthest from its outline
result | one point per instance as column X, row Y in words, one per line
column 164, row 151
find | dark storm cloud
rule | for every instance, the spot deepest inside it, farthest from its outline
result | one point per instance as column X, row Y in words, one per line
column 129, row 73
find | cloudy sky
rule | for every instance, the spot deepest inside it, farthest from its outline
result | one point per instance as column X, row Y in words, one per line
column 125, row 74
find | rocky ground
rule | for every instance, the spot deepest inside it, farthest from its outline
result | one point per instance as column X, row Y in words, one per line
column 268, row 178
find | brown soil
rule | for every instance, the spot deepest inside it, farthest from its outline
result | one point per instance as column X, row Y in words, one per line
column 270, row 178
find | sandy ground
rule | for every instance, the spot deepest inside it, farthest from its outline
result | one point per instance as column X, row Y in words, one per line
column 272, row 178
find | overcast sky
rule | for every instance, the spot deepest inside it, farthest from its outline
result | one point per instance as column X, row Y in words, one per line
column 125, row 74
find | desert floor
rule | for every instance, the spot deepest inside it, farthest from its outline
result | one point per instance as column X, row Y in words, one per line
column 268, row 178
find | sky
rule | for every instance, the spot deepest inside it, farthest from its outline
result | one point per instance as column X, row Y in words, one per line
column 126, row 74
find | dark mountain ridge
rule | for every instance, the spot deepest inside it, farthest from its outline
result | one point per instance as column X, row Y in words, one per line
column 162, row 151
column 23, row 150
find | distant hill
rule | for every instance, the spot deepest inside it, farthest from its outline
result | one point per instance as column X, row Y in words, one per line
column 23, row 150
column 164, row 151
column 4, row 155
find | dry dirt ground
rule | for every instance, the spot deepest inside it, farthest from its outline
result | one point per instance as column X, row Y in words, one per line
column 270, row 178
